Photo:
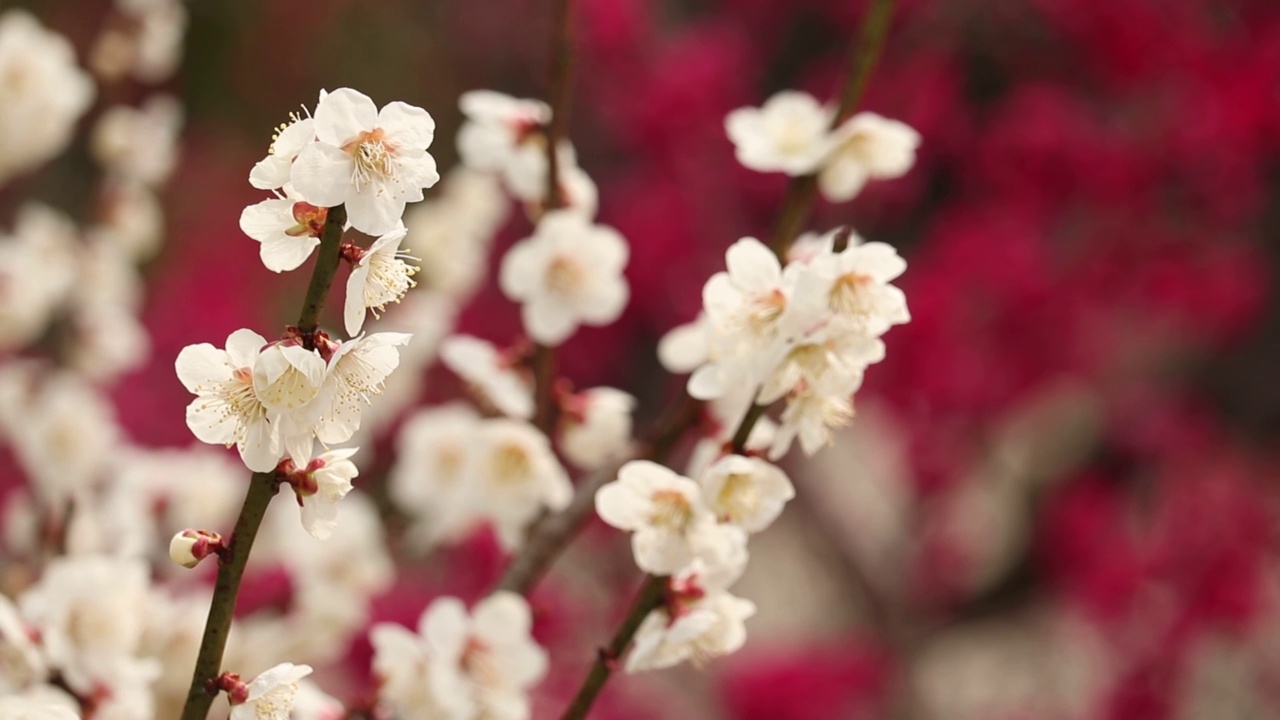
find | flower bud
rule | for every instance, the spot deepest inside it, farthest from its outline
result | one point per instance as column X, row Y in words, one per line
column 189, row 547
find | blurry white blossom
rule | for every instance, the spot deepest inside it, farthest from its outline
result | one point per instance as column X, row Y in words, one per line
column 66, row 436
column 596, row 426
column 569, row 272
column 139, row 144
column 45, row 93
column 746, row 491
column 428, row 479
column 495, row 126
column 866, row 147
column 489, row 372
column 670, row 521
column 22, row 662
column 791, row 133
column 372, row 161
column 145, row 43
column 698, row 621
column 451, row 232
column 512, row 476
column 129, row 217
column 41, row 263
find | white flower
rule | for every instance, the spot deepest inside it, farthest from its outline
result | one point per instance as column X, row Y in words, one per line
column 373, row 162
column 129, row 218
column 830, row 360
column 428, row 477
column 39, row 706
column 596, row 427
column 273, row 171
column 380, row 276
column 288, row 228
column 140, row 144
column 496, row 125
column 90, row 611
column 319, row 485
column 21, row 662
column 670, row 522
column 286, row 378
column 65, row 438
column 525, row 176
column 746, row 491
column 513, row 475
column 698, row 622
column 227, row 410
column 271, row 694
column 451, row 232
column 866, row 147
column 860, row 293
column 811, row 414
column 791, row 133
column 568, row 273
column 41, row 263
column 148, row 45
column 357, row 372
column 45, row 93
column 490, row 373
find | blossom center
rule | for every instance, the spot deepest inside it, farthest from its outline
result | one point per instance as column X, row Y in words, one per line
column 565, row 276
column 477, row 661
column 739, row 498
column 374, row 159
column 671, row 510
column 765, row 311
column 849, row 295
column 511, row 464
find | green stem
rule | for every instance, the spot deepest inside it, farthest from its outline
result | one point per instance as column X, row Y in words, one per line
column 262, row 487
column 647, row 600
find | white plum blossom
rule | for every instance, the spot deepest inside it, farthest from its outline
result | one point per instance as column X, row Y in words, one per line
column 746, row 491
column 286, row 378
column 288, row 228
column 451, row 232
column 39, row 706
column 147, row 45
column 569, row 272
column 596, row 427
column 90, row 612
column 490, row 373
column 129, row 217
column 372, row 161
column 791, row 133
column 496, row 125
column 357, row 372
column 428, row 478
column 810, row 415
column 271, row 695
column 227, row 409
column 461, row 665
column 319, row 484
column 140, row 144
column 512, row 476
column 860, row 292
column 22, row 663
column 379, row 276
column 66, row 437
column 45, row 93
column 866, row 147
column 670, row 521
column 273, row 171
column 698, row 622
column 830, row 360
column 525, row 176
column 41, row 263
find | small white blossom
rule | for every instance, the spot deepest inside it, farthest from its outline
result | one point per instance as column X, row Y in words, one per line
column 746, row 491
column 39, row 706
column 866, row 147
column 569, row 272
column 698, row 622
column 22, row 664
column 496, row 125
column 129, row 217
column 41, row 263
column 147, row 46
column 286, row 378
column 525, row 176
column 357, row 372
column 65, row 438
column 319, row 485
column 429, row 475
column 373, row 162
column 451, row 232
column 810, row 415
column 288, row 228
column 140, row 144
column 860, row 291
column 669, row 519
column 273, row 171
column 227, row 409
column 490, row 373
column 596, row 427
column 512, row 476
column 379, row 277
column 45, row 93
column 271, row 694
column 791, row 133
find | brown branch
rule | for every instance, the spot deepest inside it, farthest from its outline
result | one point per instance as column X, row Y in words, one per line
column 262, row 487
column 559, row 96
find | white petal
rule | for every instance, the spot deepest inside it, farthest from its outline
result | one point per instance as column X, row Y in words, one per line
column 199, row 366
column 287, row 253
column 260, row 449
column 407, row 126
column 342, row 115
column 322, row 175
column 374, row 211
column 547, row 321
column 353, row 309
column 268, row 219
column 243, row 347
column 271, row 172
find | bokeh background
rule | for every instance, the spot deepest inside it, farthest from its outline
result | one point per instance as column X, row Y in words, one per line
column 1059, row 498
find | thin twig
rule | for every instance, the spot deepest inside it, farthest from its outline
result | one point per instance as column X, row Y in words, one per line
column 647, row 600
column 262, row 487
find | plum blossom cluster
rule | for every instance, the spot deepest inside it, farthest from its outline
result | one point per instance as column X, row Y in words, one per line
column 795, row 134
column 460, row 665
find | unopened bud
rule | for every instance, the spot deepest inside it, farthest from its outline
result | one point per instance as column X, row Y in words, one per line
column 189, row 547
